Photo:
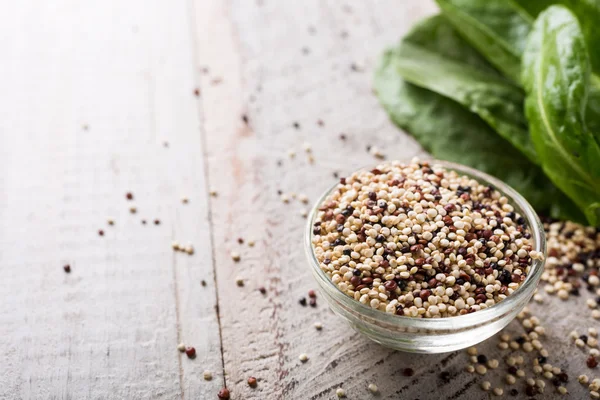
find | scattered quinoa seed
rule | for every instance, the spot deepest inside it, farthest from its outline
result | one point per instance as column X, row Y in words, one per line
column 207, row 375
column 133, row 209
column 129, row 196
column 408, row 372
column 373, row 388
column 252, row 382
column 100, row 232
column 223, row 394
column 67, row 268
column 302, row 301
column 340, row 393
column 110, row 221
column 235, row 256
column 189, row 249
column 239, row 281
column 185, row 199
column 303, row 357
column 318, row 326
column 190, row 352
column 181, row 347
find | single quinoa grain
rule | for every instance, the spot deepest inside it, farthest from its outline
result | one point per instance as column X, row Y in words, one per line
column 190, row 352
column 223, row 394
column 181, row 347
column 373, row 388
column 340, row 393
column 422, row 241
column 67, row 268
column 252, row 382
column 207, row 375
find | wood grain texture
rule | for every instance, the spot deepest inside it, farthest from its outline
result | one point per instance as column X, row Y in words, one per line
column 109, row 329
column 91, row 93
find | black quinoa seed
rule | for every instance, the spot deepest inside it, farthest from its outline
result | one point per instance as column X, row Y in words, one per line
column 296, row 125
column 313, row 302
column 408, row 372
column 481, row 359
column 563, row 377
column 302, row 301
column 520, row 340
column 584, row 338
column 542, row 360
column 445, row 376
column 513, row 392
column 512, row 370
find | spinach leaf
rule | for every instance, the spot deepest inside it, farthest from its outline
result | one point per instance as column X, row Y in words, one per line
column 498, row 29
column 450, row 132
column 588, row 14
column 556, row 71
column 494, row 99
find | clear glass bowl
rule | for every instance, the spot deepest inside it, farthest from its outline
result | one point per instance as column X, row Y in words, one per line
column 435, row 335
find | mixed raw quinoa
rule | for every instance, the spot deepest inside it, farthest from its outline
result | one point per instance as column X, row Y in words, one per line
column 420, row 240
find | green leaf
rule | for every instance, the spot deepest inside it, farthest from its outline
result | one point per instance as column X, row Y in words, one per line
column 450, row 132
column 588, row 14
column 498, row 29
column 494, row 99
column 556, row 72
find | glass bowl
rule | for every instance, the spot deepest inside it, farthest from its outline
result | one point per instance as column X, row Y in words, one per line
column 435, row 335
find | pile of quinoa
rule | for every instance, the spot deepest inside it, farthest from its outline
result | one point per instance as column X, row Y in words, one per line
column 421, row 241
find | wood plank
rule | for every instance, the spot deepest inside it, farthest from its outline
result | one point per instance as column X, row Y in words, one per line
column 109, row 329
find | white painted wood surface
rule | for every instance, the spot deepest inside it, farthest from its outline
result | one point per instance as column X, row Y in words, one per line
column 91, row 91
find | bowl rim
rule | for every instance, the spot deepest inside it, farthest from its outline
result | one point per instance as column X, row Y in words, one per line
column 457, row 322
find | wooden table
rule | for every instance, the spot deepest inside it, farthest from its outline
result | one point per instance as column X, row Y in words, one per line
column 148, row 97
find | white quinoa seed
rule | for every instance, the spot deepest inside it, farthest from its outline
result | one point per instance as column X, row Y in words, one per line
column 596, row 314
column 251, row 243
column 470, row 369
column 185, row 199
column 472, row 351
column 562, row 390
column 189, row 249
column 303, row 198
column 593, row 332
column 303, row 357
column 133, row 209
column 340, row 393
column 235, row 256
column 181, row 347
column 373, row 388
column 480, row 369
column 318, row 326
column 594, row 394
column 486, row 385
column 207, row 375
column 175, row 245
column 364, row 227
column 213, row 193
column 498, row 391
column 110, row 221
column 583, row 379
